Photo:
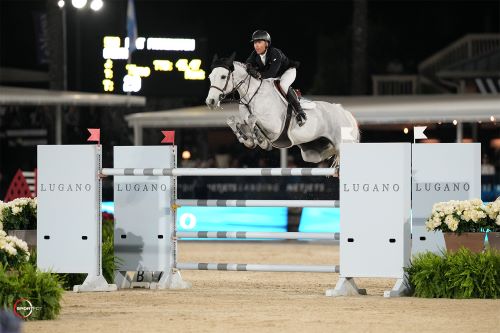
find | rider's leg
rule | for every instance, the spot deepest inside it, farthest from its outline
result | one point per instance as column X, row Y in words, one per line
column 293, row 99
column 287, row 78
column 286, row 81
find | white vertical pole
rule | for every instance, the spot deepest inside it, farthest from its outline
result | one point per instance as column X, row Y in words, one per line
column 59, row 115
column 283, row 157
column 137, row 135
column 59, row 125
column 460, row 132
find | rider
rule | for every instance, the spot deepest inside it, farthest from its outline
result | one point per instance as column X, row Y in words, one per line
column 269, row 62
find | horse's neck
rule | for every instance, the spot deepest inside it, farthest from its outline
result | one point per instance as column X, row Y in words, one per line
column 250, row 91
column 249, row 86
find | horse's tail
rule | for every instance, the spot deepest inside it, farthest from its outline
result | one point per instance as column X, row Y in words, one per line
column 357, row 131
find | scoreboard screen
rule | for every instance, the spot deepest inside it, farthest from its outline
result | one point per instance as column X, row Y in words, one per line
column 154, row 66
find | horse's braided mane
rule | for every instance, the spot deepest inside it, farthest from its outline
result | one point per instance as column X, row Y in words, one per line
column 237, row 63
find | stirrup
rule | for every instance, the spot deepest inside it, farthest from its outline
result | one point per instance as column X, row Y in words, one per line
column 300, row 120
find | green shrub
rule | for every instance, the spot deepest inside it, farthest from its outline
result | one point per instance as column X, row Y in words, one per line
column 42, row 289
column 461, row 274
column 109, row 260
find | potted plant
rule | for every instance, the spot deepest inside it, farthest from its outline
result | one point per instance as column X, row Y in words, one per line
column 463, row 223
column 18, row 218
column 492, row 209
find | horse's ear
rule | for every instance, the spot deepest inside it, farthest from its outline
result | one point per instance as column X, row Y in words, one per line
column 215, row 58
column 231, row 58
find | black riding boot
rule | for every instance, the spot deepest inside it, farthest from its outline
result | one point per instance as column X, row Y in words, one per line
column 293, row 99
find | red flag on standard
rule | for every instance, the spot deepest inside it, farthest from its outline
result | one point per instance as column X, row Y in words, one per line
column 95, row 134
column 168, row 136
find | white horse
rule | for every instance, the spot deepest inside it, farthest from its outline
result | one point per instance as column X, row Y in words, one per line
column 265, row 118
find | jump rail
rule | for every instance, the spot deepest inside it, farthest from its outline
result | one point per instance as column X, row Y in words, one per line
column 258, row 203
column 259, row 235
column 258, row 268
column 178, row 172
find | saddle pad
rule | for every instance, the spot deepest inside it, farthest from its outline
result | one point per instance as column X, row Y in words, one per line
column 307, row 104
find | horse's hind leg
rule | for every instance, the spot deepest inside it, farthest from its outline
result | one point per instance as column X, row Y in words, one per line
column 242, row 132
column 335, row 164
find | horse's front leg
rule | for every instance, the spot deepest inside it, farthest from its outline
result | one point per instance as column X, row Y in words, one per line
column 242, row 132
column 258, row 136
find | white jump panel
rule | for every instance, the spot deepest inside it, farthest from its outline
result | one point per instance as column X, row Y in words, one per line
column 375, row 212
column 143, row 216
column 441, row 172
column 69, row 213
column 68, row 209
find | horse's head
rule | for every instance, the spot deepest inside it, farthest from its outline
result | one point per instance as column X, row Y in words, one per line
column 221, row 83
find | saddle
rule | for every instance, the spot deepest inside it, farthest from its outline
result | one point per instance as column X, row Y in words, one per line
column 283, row 140
column 305, row 103
column 283, row 94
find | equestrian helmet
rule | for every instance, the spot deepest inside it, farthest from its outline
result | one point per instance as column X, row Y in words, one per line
column 261, row 35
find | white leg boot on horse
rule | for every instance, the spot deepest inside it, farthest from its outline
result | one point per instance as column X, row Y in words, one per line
column 258, row 136
column 242, row 132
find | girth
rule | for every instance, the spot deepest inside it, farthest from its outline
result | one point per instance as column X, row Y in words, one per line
column 283, row 141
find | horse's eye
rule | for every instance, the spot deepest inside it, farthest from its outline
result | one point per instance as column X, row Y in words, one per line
column 223, row 77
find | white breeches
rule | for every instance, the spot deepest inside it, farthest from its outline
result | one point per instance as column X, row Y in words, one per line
column 287, row 79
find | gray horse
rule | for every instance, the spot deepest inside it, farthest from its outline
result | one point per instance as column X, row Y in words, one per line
column 265, row 117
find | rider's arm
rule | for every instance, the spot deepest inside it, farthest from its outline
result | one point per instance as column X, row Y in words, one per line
column 251, row 59
column 252, row 66
column 274, row 65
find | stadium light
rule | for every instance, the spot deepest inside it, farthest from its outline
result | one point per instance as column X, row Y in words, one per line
column 96, row 5
column 60, row 3
column 79, row 4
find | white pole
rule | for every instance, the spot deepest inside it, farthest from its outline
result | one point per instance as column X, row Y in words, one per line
column 219, row 172
column 259, row 235
column 283, row 157
column 258, row 203
column 137, row 135
column 258, row 267
column 460, row 132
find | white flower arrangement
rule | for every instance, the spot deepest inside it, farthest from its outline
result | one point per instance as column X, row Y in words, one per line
column 492, row 209
column 458, row 216
column 13, row 251
column 18, row 214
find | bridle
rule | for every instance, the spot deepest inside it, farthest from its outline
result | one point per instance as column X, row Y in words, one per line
column 224, row 95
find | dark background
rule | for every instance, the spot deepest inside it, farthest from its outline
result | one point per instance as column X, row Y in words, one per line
column 317, row 33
